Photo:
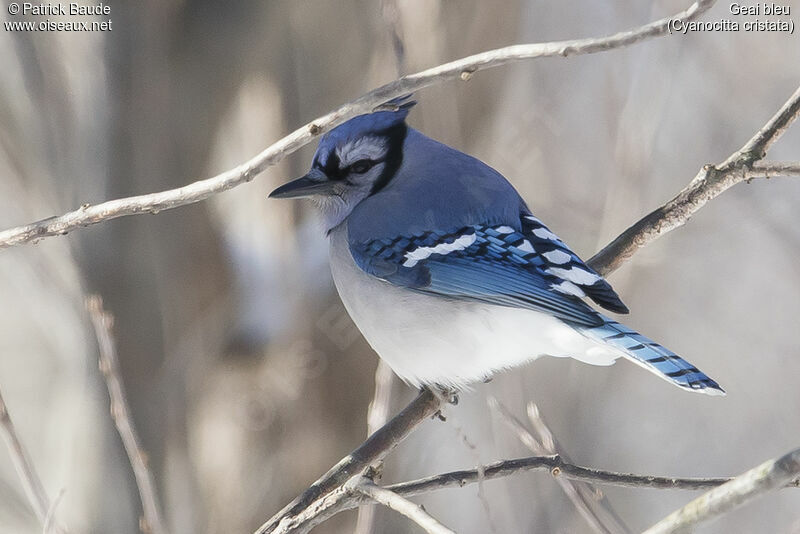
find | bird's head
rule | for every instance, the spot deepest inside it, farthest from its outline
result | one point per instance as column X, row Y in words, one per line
column 353, row 161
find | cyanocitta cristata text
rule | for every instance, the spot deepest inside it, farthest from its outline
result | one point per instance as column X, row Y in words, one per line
column 445, row 270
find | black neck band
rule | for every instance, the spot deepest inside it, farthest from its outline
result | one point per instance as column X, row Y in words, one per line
column 395, row 136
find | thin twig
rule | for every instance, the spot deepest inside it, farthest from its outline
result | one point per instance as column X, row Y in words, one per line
column 710, row 182
column 592, row 495
column 103, row 322
column 463, row 68
column 742, row 489
column 557, row 467
column 769, row 169
column 377, row 416
column 472, row 448
column 399, row 504
column 378, row 413
column 293, row 518
column 391, row 17
column 31, row 483
column 586, row 505
column 49, row 519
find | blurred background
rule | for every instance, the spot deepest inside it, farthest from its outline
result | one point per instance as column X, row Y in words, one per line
column 247, row 380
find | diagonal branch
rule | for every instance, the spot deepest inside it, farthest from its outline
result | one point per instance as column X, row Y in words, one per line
column 377, row 416
column 378, row 445
column 742, row 489
column 34, row 489
column 582, row 495
column 103, row 322
column 388, row 498
column 463, row 68
column 711, row 181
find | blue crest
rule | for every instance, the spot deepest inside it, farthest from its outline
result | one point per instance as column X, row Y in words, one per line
column 387, row 116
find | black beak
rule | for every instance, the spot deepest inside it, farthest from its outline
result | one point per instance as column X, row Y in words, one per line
column 313, row 183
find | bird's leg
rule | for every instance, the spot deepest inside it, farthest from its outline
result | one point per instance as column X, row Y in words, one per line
column 375, row 471
column 445, row 394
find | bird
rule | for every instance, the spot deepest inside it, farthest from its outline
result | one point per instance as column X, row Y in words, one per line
column 445, row 270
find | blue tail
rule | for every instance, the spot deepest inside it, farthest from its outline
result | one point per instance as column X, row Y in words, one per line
column 653, row 357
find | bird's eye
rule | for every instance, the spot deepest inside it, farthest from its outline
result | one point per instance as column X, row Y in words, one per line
column 361, row 166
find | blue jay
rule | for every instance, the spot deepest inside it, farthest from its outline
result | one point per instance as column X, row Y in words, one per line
column 445, row 270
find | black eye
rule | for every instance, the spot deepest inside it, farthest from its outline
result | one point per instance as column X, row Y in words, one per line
column 361, row 166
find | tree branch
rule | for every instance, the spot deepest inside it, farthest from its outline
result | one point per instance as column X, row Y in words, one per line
column 377, row 416
column 341, row 499
column 584, row 496
column 378, row 445
column 388, row 498
column 103, row 322
column 32, row 484
column 463, row 68
column 769, row 169
column 744, row 488
column 557, row 467
column 710, row 182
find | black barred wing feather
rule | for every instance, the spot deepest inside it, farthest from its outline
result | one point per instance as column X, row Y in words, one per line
column 526, row 268
column 577, row 277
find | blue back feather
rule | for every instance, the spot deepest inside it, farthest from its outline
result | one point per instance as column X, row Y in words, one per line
column 440, row 189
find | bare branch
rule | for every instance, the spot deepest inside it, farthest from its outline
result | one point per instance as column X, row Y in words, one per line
column 377, row 416
column 742, row 489
column 378, row 412
column 557, row 467
column 710, row 182
column 758, row 145
column 593, row 496
column 391, row 17
column 582, row 495
column 399, row 504
column 32, row 484
column 769, row 169
column 463, row 68
column 294, row 517
column 49, row 527
column 103, row 323
column 340, row 499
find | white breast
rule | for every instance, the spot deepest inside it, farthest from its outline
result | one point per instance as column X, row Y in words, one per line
column 434, row 340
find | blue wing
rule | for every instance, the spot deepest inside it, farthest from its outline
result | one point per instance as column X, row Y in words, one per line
column 525, row 268
column 556, row 257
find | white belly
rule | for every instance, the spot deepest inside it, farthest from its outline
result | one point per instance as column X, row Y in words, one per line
column 433, row 340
